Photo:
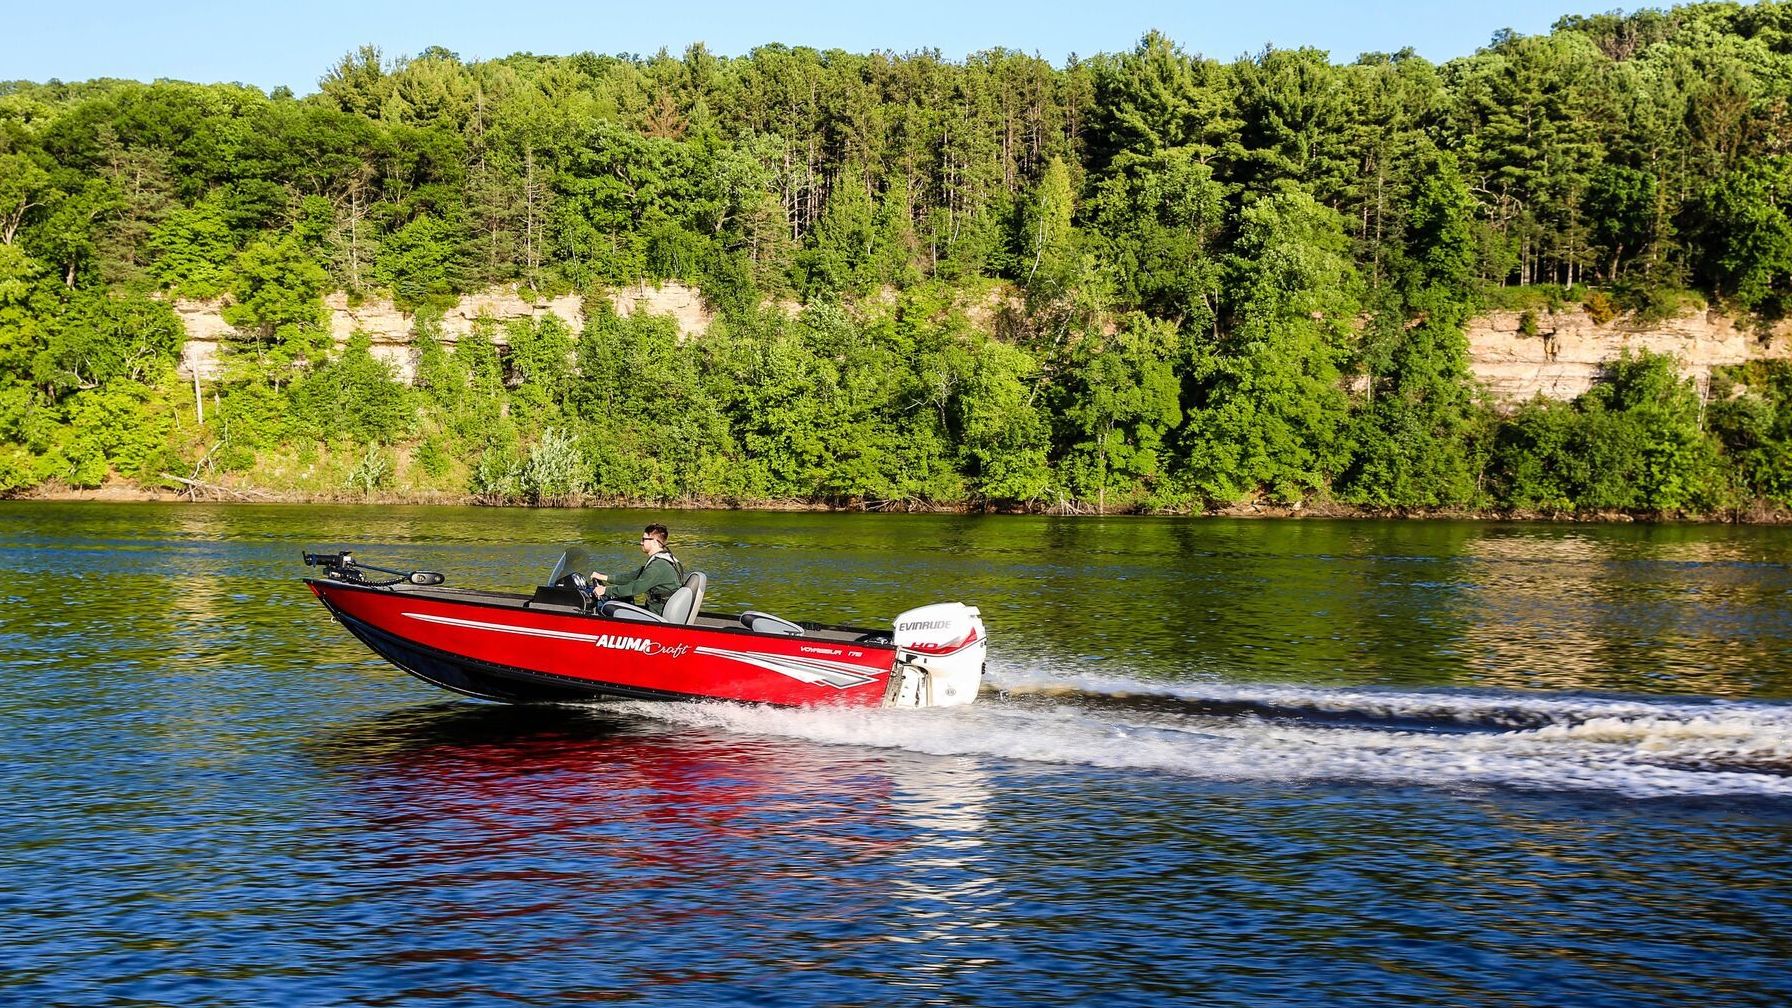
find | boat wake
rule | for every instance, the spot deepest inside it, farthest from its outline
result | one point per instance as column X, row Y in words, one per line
column 1637, row 747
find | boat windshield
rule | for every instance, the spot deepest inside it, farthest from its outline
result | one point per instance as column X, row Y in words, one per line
column 574, row 561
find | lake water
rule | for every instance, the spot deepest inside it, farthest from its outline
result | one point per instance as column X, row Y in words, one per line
column 1217, row 763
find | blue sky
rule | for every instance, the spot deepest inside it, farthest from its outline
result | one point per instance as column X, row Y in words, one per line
column 294, row 42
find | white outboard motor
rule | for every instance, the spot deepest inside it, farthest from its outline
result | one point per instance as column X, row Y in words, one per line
column 939, row 655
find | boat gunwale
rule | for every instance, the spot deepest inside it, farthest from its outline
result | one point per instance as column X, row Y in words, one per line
column 515, row 602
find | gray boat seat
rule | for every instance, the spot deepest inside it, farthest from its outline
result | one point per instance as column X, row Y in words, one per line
column 683, row 605
column 766, row 623
column 618, row 609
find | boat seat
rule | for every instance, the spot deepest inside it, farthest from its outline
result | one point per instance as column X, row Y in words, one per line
column 618, row 609
column 683, row 605
column 766, row 623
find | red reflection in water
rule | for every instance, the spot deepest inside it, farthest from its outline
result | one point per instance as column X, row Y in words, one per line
column 734, row 856
column 569, row 786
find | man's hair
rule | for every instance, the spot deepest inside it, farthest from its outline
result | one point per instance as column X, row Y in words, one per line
column 659, row 532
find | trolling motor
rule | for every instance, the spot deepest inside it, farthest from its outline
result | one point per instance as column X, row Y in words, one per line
column 342, row 567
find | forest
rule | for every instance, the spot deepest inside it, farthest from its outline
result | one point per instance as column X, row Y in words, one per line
column 1148, row 281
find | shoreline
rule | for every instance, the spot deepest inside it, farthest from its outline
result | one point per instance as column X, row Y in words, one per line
column 120, row 492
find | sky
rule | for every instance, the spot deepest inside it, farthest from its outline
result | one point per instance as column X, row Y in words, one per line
column 293, row 43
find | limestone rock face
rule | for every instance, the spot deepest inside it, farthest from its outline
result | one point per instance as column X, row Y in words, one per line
column 391, row 329
column 1561, row 361
column 684, row 304
column 1566, row 355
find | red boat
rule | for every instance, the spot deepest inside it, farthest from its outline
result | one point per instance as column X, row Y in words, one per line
column 559, row 644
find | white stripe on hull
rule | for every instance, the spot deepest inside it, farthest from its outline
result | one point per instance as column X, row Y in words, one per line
column 815, row 671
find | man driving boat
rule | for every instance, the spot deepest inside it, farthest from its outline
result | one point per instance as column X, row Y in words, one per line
column 654, row 581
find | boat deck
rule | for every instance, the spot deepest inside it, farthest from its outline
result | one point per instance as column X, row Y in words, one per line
column 708, row 620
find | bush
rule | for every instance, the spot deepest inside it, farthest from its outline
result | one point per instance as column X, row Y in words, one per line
column 432, row 458
column 372, row 472
column 497, row 477
column 18, row 470
column 555, row 471
column 1632, row 442
column 1599, row 307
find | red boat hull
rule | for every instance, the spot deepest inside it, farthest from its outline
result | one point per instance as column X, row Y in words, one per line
column 496, row 647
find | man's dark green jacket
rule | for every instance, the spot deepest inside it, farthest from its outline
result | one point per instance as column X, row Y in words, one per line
column 656, row 579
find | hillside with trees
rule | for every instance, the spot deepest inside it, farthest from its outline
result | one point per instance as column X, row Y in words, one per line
column 1144, row 280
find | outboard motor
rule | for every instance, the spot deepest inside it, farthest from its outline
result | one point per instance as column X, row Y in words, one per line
column 939, row 655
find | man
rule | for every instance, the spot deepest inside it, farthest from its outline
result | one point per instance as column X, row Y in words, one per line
column 655, row 580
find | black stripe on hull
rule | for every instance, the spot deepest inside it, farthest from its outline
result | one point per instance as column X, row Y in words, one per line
column 487, row 680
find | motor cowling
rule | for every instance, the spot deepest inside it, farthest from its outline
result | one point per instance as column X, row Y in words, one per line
column 940, row 651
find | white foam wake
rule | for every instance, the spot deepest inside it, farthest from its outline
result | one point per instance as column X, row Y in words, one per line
column 1632, row 747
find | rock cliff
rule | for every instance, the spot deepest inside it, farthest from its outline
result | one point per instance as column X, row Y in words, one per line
column 1565, row 356
column 1561, row 361
column 390, row 329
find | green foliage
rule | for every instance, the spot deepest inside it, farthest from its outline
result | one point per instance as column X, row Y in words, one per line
column 1159, row 220
column 278, row 308
column 1633, row 442
column 1748, row 233
column 657, row 436
column 18, row 469
column 372, row 472
column 432, row 457
column 498, row 475
column 1272, row 410
column 1002, row 430
column 193, row 249
column 123, row 425
column 421, row 263
column 1676, row 463
column 1118, row 403
column 354, row 395
column 250, row 417
column 1147, row 277
column 540, row 364
column 98, row 339
column 1751, row 414
column 555, row 472
column 1048, row 240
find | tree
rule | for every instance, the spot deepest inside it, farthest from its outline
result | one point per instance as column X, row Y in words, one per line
column 1271, row 409
column 1156, row 97
column 1117, row 402
column 193, row 250
column 278, row 305
column 421, row 263
column 1632, row 442
column 1048, row 241
column 1004, row 435
column 356, row 396
column 1748, row 234
column 98, row 339
column 1412, row 435
column 24, row 186
column 1159, row 220
column 1751, row 414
